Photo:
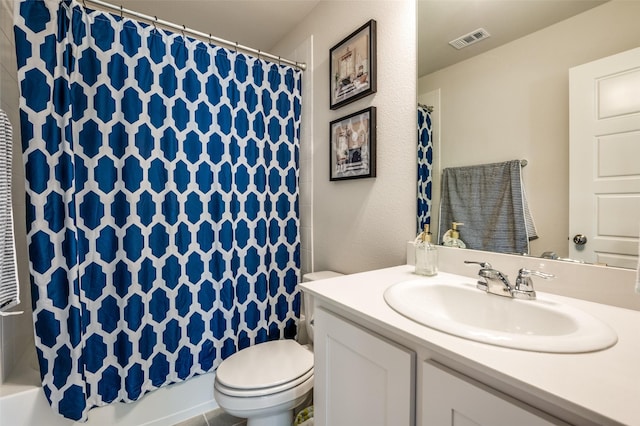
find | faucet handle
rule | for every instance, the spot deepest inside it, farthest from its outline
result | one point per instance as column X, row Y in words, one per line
column 524, row 284
column 481, row 284
column 484, row 265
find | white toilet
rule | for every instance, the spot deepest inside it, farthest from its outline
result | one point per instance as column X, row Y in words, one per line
column 265, row 382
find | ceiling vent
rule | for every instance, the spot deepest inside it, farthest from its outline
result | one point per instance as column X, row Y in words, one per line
column 468, row 39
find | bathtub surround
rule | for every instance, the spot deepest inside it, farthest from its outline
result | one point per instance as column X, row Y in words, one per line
column 16, row 331
column 26, row 404
column 162, row 202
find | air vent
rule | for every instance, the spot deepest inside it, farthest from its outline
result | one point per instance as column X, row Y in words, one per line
column 468, row 39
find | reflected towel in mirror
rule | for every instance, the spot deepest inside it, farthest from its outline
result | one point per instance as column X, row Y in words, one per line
column 490, row 200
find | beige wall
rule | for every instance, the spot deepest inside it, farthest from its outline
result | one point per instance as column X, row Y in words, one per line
column 16, row 332
column 512, row 102
column 362, row 224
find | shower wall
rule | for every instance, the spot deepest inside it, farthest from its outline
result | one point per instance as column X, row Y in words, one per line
column 16, row 332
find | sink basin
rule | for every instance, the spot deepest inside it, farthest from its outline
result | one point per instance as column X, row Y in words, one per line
column 459, row 308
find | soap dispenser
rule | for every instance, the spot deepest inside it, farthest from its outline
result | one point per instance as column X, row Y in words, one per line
column 451, row 238
column 426, row 254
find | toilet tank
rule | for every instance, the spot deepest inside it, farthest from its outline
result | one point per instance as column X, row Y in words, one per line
column 320, row 275
column 305, row 330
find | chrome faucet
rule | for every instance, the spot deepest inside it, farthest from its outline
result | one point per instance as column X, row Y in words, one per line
column 524, row 283
column 491, row 280
column 495, row 282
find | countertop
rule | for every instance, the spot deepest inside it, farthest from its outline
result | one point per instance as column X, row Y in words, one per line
column 602, row 386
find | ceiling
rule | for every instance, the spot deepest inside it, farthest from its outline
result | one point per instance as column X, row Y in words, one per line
column 440, row 21
column 261, row 24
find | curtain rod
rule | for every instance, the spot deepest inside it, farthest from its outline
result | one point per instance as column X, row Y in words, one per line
column 427, row 107
column 155, row 21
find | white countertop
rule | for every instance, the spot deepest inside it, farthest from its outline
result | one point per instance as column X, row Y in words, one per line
column 602, row 386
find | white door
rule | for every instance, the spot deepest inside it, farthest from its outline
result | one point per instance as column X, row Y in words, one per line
column 604, row 164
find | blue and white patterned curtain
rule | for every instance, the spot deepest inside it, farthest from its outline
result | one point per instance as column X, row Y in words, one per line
column 162, row 200
column 425, row 161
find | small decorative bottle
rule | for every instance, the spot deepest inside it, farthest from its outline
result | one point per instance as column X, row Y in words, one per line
column 426, row 254
column 451, row 238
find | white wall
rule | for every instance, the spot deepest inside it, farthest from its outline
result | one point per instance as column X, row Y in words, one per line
column 16, row 332
column 513, row 102
column 363, row 224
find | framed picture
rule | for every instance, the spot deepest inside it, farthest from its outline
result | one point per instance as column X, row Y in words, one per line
column 352, row 67
column 352, row 150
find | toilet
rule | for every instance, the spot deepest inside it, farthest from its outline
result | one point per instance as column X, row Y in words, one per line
column 265, row 382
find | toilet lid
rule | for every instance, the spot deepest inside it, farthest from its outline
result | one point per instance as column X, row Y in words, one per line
column 265, row 365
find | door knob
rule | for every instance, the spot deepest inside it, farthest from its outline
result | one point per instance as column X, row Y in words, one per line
column 580, row 239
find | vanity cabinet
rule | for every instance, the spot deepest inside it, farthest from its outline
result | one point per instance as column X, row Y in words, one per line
column 449, row 398
column 360, row 378
column 361, row 341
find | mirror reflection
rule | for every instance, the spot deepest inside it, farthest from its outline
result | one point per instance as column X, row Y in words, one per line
column 506, row 97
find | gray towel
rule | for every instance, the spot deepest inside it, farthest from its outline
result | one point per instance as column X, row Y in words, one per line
column 9, row 289
column 490, row 200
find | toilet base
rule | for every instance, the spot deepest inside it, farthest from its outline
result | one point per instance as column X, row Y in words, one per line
column 276, row 419
column 269, row 410
column 279, row 415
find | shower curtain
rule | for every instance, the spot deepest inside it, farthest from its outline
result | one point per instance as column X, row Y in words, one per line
column 425, row 161
column 162, row 200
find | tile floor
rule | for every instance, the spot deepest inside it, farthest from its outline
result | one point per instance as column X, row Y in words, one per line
column 218, row 417
column 213, row 418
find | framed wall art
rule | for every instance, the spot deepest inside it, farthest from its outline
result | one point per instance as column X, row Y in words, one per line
column 352, row 148
column 352, row 66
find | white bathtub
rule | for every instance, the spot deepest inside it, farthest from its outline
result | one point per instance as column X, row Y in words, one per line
column 22, row 403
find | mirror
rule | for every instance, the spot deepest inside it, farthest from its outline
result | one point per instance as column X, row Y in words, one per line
column 507, row 97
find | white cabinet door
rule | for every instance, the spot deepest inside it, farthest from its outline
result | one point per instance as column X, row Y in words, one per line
column 449, row 398
column 360, row 378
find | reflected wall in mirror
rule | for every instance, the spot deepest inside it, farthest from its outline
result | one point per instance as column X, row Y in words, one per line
column 512, row 101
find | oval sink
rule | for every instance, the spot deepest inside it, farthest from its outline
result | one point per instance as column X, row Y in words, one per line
column 461, row 309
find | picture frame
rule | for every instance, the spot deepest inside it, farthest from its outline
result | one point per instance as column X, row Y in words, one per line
column 352, row 66
column 352, row 147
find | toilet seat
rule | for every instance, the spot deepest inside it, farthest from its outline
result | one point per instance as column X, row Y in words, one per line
column 265, row 369
column 248, row 393
column 259, row 406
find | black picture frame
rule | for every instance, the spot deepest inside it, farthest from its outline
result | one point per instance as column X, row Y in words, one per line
column 352, row 146
column 352, row 67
